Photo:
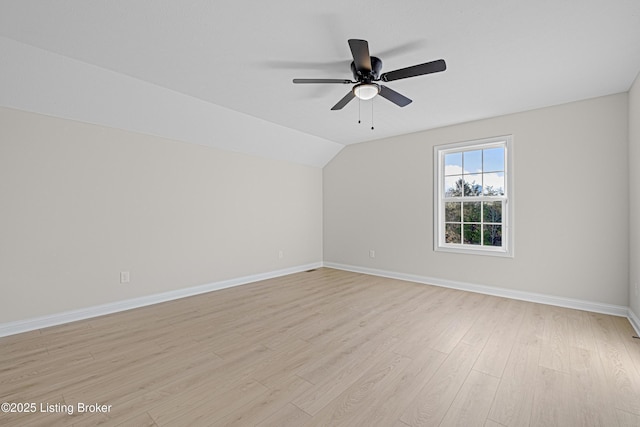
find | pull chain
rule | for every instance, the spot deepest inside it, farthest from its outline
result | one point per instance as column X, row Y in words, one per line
column 360, row 115
column 372, row 114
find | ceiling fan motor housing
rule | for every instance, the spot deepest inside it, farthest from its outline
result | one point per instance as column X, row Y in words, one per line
column 376, row 67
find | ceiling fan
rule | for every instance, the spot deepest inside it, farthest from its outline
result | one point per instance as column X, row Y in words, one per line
column 366, row 71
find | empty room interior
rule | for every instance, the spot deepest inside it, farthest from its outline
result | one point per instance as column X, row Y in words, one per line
column 354, row 213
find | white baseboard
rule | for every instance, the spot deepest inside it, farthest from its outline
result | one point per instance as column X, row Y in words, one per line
column 596, row 307
column 634, row 320
column 20, row 326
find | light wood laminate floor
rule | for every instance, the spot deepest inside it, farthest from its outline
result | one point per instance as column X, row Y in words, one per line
column 333, row 348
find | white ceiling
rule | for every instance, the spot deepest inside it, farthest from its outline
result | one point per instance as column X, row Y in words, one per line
column 503, row 56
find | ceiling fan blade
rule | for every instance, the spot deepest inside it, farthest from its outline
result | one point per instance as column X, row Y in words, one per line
column 344, row 101
column 361, row 57
column 342, row 81
column 395, row 97
column 416, row 70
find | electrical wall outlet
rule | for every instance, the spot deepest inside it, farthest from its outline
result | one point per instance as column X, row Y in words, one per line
column 280, row 254
column 372, row 253
column 636, row 287
column 125, row 277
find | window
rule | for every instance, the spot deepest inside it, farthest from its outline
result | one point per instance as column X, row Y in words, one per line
column 473, row 197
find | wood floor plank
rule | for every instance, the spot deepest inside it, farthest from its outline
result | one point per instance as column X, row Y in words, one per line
column 281, row 363
column 142, row 420
column 626, row 334
column 330, row 347
column 554, row 353
column 402, row 390
column 513, row 402
column 435, row 398
column 580, row 331
column 625, row 419
column 131, row 383
column 429, row 323
column 352, row 352
column 495, row 353
column 473, row 401
column 287, row 416
column 553, row 403
column 622, row 376
column 588, row 381
column 339, row 377
column 351, row 406
column 206, row 409
column 267, row 404
column 123, row 407
column 486, row 321
column 461, row 321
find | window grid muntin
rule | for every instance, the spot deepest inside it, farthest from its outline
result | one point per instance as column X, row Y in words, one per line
column 481, row 223
column 477, row 147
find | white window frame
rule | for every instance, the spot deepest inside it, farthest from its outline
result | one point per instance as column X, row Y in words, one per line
column 439, row 152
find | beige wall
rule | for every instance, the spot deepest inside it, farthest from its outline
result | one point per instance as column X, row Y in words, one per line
column 634, row 196
column 80, row 203
column 571, row 204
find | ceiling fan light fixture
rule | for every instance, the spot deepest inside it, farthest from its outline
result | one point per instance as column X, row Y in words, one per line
column 366, row 91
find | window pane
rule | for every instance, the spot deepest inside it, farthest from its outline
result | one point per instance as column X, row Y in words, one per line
column 472, row 234
column 453, row 212
column 453, row 186
column 453, row 164
column 472, row 161
column 473, row 185
column 493, row 183
column 492, row 212
column 492, row 235
column 452, row 233
column 493, row 160
column 472, row 211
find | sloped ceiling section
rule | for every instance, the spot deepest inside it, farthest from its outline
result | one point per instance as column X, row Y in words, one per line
column 221, row 71
column 44, row 82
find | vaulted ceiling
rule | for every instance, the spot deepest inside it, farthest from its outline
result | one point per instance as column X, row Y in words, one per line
column 213, row 61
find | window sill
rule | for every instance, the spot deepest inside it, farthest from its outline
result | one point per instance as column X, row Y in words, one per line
column 473, row 250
